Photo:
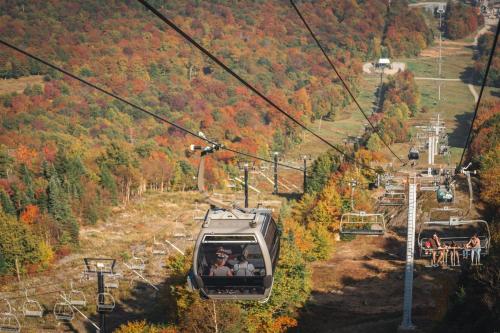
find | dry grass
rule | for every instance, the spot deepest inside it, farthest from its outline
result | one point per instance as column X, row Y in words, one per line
column 129, row 228
column 9, row 86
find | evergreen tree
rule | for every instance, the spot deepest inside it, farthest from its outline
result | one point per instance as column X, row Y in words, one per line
column 70, row 171
column 3, row 264
column 48, row 170
column 27, row 178
column 60, row 209
column 107, row 181
column 18, row 199
column 6, row 203
column 320, row 172
column 5, row 162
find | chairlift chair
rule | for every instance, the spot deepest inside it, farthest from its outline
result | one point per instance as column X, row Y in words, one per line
column 32, row 308
column 158, row 248
column 63, row 312
column 390, row 198
column 445, row 214
column 77, row 297
column 8, row 308
column 179, row 230
column 361, row 223
column 9, row 323
column 394, row 187
column 456, row 230
column 428, row 183
column 105, row 302
column 136, row 263
column 112, row 281
column 88, row 272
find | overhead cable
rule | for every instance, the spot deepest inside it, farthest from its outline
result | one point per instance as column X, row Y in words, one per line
column 243, row 81
column 137, row 107
column 342, row 80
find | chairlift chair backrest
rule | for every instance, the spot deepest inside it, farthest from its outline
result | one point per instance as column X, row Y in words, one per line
column 361, row 223
column 455, row 230
column 392, row 199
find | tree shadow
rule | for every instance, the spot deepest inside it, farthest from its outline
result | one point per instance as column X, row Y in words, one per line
column 141, row 303
column 372, row 301
column 468, row 75
column 290, row 196
column 459, row 135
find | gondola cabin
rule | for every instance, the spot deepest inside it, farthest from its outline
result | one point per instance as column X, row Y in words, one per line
column 413, row 154
column 236, row 254
column 444, row 194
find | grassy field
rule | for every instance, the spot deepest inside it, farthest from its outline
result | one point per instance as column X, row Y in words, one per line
column 347, row 122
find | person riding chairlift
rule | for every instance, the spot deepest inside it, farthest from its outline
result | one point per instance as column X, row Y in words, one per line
column 475, row 245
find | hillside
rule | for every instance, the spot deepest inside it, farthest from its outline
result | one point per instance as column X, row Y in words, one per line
column 82, row 174
column 68, row 152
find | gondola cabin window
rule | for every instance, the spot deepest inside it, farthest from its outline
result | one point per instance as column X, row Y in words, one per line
column 219, row 255
column 272, row 240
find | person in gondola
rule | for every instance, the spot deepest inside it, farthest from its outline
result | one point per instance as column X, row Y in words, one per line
column 219, row 268
column 243, row 267
column 224, row 253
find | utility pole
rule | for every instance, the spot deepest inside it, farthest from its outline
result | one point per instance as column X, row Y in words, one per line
column 100, row 290
column 430, row 155
column 438, row 127
column 246, row 184
column 440, row 60
column 276, row 172
column 353, row 186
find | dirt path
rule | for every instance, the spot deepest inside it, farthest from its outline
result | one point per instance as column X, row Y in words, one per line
column 487, row 26
column 473, row 92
